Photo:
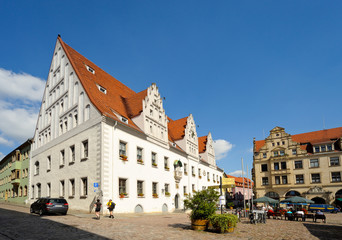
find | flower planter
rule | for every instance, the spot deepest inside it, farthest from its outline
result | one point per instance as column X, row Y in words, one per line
column 199, row 224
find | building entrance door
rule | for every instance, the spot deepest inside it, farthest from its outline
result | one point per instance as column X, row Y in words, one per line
column 176, row 202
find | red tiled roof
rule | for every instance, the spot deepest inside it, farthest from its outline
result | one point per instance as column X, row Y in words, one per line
column 177, row 128
column 202, row 144
column 134, row 103
column 310, row 137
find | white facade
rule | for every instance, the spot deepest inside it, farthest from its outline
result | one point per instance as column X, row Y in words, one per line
column 82, row 153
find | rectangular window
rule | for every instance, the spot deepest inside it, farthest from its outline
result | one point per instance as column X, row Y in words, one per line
column 72, row 154
column 140, row 188
column 193, row 188
column 48, row 167
column 276, row 166
column 155, row 189
column 208, row 176
column 84, row 186
column 71, row 187
column 264, row 155
column 294, row 151
column 166, row 186
column 154, row 159
column 265, row 181
column 193, row 170
column 299, row 179
column 199, row 173
column 122, row 150
column 122, row 186
column 317, row 149
column 323, row 148
column 284, row 179
column 315, row 177
column 32, row 192
column 185, row 169
column 298, row 164
column 48, row 189
column 85, row 149
column 264, row 167
column 336, row 177
column 61, row 158
column 61, row 188
column 166, row 163
column 139, row 155
column 282, row 152
column 334, row 161
column 277, row 179
column 184, row 191
column 314, row 163
column 329, row 147
column 275, row 153
column 283, row 165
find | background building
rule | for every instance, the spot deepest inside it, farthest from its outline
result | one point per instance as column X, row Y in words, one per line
column 14, row 174
column 97, row 138
column 242, row 186
column 307, row 165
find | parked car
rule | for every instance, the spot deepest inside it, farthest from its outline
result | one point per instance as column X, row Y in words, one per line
column 323, row 208
column 49, row 205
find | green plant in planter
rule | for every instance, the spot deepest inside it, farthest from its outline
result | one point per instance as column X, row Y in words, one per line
column 202, row 204
column 223, row 221
column 230, row 204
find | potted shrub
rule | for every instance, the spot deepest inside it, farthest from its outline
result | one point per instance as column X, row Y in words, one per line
column 230, row 205
column 155, row 195
column 140, row 194
column 167, row 194
column 140, row 161
column 223, row 222
column 203, row 205
column 123, row 157
column 122, row 195
column 154, row 164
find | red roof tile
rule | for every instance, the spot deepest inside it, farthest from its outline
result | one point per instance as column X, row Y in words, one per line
column 177, row 128
column 310, row 137
column 202, row 144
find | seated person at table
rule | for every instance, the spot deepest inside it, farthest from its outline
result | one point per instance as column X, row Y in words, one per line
column 320, row 215
column 300, row 212
column 304, row 210
column 270, row 211
column 289, row 211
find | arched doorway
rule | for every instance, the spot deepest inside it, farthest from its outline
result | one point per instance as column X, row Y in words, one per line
column 273, row 195
column 338, row 198
column 138, row 209
column 292, row 193
column 165, row 209
column 318, row 200
column 177, row 201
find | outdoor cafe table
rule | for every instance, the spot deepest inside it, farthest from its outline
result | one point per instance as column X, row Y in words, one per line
column 309, row 215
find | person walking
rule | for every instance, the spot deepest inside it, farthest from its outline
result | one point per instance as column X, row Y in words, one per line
column 110, row 206
column 97, row 206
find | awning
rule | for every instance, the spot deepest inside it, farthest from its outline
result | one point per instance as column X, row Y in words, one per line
column 339, row 199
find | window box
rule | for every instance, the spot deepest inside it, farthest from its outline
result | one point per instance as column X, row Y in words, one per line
column 193, row 175
column 84, row 159
column 154, row 164
column 186, row 173
column 61, row 166
column 140, row 161
column 123, row 195
column 185, row 194
column 167, row 194
column 208, row 180
column 71, row 197
column 155, row 195
column 194, row 191
column 199, row 177
column 83, row 197
column 167, row 168
column 214, row 181
column 141, row 195
column 123, row 157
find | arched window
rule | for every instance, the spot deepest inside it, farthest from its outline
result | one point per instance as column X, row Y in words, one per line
column 25, row 191
column 75, row 92
column 273, row 195
column 36, row 168
column 87, row 113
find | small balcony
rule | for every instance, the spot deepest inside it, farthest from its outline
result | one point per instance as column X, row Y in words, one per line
column 15, row 181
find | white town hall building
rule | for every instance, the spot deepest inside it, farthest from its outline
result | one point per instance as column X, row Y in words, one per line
column 97, row 138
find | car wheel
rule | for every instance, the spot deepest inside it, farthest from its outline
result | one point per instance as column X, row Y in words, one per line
column 64, row 213
column 31, row 210
column 41, row 212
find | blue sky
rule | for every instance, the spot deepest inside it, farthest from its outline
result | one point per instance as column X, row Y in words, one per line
column 240, row 67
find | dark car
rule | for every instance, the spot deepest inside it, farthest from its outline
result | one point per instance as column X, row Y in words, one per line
column 49, row 205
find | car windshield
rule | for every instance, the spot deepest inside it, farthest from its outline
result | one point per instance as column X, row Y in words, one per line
column 57, row 201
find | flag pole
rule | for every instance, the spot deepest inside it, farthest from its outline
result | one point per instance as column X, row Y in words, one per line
column 248, row 197
column 243, row 184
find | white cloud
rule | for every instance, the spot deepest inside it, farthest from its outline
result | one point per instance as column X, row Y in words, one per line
column 236, row 173
column 5, row 141
column 20, row 96
column 250, row 150
column 20, row 86
column 222, row 147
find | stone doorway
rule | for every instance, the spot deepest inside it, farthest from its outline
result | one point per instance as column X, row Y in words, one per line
column 318, row 200
column 177, row 201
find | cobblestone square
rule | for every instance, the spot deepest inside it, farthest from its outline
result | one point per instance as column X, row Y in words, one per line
column 17, row 223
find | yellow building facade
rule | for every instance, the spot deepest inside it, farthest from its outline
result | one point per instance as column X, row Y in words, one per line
column 306, row 165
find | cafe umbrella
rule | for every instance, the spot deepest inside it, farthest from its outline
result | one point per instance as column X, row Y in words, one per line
column 265, row 200
column 297, row 199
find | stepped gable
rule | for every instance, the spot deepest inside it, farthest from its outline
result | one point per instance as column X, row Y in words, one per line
column 117, row 93
column 202, row 144
column 321, row 136
column 177, row 128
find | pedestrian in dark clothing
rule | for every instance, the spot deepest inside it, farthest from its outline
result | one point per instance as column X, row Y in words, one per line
column 111, row 206
column 97, row 206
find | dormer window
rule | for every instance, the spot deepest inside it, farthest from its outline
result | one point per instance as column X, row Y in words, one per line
column 90, row 69
column 124, row 120
column 102, row 89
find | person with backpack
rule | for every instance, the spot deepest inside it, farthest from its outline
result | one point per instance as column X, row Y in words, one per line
column 111, row 206
column 97, row 206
